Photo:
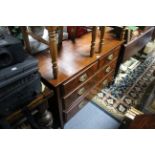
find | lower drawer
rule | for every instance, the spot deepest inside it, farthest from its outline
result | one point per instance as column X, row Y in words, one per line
column 77, row 94
column 71, row 112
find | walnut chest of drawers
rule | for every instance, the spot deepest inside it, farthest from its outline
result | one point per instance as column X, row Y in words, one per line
column 78, row 74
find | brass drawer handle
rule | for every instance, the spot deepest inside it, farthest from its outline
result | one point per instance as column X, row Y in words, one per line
column 110, row 57
column 81, row 105
column 105, row 83
column 108, row 69
column 83, row 78
column 81, row 91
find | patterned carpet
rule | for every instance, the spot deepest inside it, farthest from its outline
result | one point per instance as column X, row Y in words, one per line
column 127, row 89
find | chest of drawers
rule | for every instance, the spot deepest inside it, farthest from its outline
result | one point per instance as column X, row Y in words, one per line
column 78, row 74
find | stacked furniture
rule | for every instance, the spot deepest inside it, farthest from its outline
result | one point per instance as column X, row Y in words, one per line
column 79, row 67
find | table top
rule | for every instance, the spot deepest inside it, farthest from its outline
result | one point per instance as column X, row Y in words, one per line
column 73, row 57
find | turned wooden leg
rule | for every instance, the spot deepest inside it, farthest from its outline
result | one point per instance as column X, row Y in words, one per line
column 102, row 29
column 53, row 49
column 93, row 42
column 44, row 117
column 73, row 33
column 26, row 38
column 122, row 36
column 60, row 37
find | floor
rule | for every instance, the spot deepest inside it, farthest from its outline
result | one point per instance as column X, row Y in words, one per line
column 92, row 117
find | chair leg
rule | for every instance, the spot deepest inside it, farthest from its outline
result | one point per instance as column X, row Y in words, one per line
column 26, row 39
column 60, row 37
column 93, row 42
column 122, row 36
column 102, row 29
column 53, row 49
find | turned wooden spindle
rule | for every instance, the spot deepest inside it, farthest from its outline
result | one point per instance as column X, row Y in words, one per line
column 60, row 36
column 93, row 42
column 53, row 48
column 122, row 36
column 26, row 38
column 102, row 29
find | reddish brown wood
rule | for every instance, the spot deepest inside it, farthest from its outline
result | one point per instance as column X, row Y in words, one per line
column 71, row 59
column 145, row 121
column 72, row 64
column 76, row 80
column 109, row 57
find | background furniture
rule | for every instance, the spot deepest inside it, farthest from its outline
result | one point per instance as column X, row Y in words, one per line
column 38, row 107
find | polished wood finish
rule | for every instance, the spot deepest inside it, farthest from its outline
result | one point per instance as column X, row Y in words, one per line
column 109, row 57
column 79, row 78
column 146, row 121
column 78, row 74
column 71, row 58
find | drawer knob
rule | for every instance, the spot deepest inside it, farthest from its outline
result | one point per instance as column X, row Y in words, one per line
column 105, row 83
column 83, row 78
column 110, row 57
column 108, row 69
column 81, row 105
column 81, row 91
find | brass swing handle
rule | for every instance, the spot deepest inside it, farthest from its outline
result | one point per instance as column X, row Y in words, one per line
column 81, row 105
column 110, row 57
column 83, row 77
column 81, row 91
column 105, row 83
column 108, row 69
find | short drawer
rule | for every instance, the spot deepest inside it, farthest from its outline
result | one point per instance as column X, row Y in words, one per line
column 78, row 93
column 70, row 113
column 79, row 79
column 110, row 57
column 107, row 69
column 105, row 81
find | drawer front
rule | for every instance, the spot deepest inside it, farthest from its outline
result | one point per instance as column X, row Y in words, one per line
column 105, row 81
column 78, row 106
column 78, row 93
column 110, row 57
column 79, row 79
column 107, row 69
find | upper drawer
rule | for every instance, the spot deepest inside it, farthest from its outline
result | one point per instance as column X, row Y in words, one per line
column 79, row 79
column 111, row 56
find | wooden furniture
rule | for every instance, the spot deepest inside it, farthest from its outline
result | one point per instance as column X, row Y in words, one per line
column 39, row 104
column 137, row 44
column 77, row 73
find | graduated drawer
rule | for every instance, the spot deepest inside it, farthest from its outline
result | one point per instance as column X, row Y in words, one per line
column 72, row 111
column 111, row 56
column 79, row 79
column 78, row 93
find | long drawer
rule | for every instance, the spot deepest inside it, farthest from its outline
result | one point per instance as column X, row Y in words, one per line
column 79, row 79
column 78, row 93
column 77, row 106
column 110, row 57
